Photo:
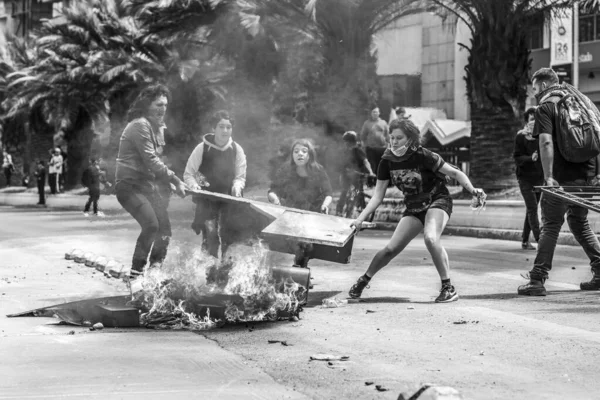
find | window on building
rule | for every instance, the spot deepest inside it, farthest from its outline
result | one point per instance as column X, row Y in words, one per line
column 587, row 28
column 535, row 33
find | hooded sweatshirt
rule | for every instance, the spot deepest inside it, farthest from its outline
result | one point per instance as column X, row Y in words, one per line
column 222, row 167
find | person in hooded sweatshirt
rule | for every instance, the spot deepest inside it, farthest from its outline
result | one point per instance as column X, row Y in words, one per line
column 218, row 164
column 421, row 175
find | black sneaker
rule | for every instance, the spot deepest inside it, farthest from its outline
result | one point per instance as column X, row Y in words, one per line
column 594, row 284
column 447, row 294
column 533, row 288
column 357, row 289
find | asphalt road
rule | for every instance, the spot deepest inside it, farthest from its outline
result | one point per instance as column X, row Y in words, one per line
column 491, row 344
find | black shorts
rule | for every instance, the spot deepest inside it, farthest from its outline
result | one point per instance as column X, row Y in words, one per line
column 443, row 202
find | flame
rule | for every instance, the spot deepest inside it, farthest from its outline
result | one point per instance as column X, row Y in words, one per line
column 171, row 294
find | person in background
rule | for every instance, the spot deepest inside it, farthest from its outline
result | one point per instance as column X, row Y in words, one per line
column 55, row 168
column 421, row 175
column 138, row 170
column 354, row 164
column 40, row 175
column 529, row 174
column 375, row 138
column 302, row 183
column 91, row 178
column 7, row 166
column 218, row 164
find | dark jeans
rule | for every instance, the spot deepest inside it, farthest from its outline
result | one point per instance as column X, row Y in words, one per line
column 150, row 211
column 303, row 254
column 41, row 193
column 374, row 155
column 553, row 217
column 94, row 197
column 53, row 183
column 212, row 220
column 7, row 175
column 532, row 199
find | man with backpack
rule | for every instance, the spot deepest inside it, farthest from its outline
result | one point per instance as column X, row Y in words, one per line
column 566, row 125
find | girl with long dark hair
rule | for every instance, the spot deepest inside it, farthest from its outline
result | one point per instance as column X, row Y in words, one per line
column 302, row 183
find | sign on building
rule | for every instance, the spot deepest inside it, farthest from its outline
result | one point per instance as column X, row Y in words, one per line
column 561, row 37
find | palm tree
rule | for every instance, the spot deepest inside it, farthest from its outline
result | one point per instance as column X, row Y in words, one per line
column 83, row 67
column 497, row 75
column 328, row 46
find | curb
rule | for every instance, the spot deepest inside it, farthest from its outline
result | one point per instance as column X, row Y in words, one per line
column 74, row 202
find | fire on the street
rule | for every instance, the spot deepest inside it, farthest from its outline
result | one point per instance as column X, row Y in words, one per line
column 195, row 291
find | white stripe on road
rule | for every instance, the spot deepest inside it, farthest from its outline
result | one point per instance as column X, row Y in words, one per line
column 518, row 277
column 534, row 324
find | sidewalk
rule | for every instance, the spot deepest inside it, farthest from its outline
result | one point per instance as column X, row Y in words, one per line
column 502, row 219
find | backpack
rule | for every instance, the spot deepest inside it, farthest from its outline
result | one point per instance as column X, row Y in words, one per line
column 86, row 177
column 577, row 124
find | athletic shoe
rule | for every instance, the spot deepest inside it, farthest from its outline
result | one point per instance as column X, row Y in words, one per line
column 533, row 288
column 447, row 294
column 528, row 246
column 86, row 214
column 100, row 214
column 357, row 289
column 593, row 284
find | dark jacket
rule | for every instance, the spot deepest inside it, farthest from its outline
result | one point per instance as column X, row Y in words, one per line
column 527, row 169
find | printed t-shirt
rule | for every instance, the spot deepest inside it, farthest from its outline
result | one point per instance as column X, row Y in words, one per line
column 417, row 177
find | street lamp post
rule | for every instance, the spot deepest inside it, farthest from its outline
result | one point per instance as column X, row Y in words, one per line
column 576, row 44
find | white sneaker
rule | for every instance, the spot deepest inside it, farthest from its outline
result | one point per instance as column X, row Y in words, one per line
column 100, row 214
column 86, row 214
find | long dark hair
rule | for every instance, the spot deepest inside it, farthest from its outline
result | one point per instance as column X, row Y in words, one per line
column 312, row 165
column 139, row 107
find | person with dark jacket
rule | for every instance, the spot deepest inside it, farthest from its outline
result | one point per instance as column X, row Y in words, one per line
column 529, row 174
column 559, row 172
column 218, row 164
column 139, row 174
column 40, row 175
column 92, row 177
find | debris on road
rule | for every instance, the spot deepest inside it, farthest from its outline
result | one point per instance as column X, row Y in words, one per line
column 328, row 357
column 572, row 267
column 481, row 353
column 71, row 333
column 463, row 322
column 429, row 392
column 97, row 327
column 334, row 302
column 371, row 311
column 410, row 308
column 283, row 342
column 368, row 383
column 381, row 388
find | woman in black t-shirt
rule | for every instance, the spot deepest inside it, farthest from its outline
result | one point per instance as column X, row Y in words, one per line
column 421, row 175
column 302, row 183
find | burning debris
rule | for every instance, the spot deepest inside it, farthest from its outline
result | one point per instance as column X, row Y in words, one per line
column 195, row 291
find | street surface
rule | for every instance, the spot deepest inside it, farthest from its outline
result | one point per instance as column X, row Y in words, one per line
column 491, row 344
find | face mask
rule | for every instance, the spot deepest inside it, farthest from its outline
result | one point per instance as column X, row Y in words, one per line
column 400, row 151
column 530, row 126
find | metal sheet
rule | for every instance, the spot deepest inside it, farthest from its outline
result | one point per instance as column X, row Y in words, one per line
column 582, row 196
column 311, row 228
